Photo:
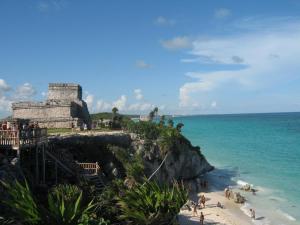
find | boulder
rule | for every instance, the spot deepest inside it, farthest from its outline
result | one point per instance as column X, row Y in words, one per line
column 238, row 198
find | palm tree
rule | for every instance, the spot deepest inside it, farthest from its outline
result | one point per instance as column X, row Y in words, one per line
column 170, row 123
column 115, row 110
column 153, row 113
column 179, row 126
column 162, row 120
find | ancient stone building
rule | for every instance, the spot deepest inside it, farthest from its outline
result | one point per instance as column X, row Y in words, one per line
column 63, row 108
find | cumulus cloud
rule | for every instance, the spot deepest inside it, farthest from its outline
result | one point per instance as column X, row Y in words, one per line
column 138, row 94
column 176, row 43
column 222, row 13
column 251, row 58
column 140, row 107
column 142, row 64
column 120, row 103
column 24, row 92
column 8, row 95
column 3, row 86
column 163, row 21
column 89, row 99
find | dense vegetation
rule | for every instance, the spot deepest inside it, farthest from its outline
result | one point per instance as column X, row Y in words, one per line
column 131, row 200
column 108, row 115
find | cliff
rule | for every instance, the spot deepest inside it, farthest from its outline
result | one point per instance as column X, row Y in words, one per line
column 184, row 161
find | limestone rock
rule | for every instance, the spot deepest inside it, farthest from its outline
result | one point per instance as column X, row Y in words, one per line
column 238, row 198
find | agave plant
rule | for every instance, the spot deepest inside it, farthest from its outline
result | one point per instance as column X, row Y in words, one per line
column 5, row 221
column 151, row 204
column 22, row 202
column 66, row 205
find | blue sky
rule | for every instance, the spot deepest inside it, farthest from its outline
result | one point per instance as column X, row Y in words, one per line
column 186, row 57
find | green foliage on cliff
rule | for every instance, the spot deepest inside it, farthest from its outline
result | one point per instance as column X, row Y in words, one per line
column 166, row 136
column 131, row 161
column 65, row 206
column 151, row 204
column 108, row 115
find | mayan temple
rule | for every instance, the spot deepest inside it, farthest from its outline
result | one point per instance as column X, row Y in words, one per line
column 64, row 108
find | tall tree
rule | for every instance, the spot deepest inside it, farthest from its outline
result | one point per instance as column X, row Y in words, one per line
column 179, row 126
column 162, row 120
column 170, row 123
column 115, row 110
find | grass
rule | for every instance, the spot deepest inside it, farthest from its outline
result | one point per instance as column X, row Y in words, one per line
column 59, row 130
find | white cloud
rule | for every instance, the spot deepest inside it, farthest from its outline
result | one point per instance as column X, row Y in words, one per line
column 89, row 99
column 142, row 64
column 162, row 21
column 9, row 95
column 5, row 104
column 102, row 106
column 141, row 107
column 177, row 43
column 3, row 86
column 222, row 13
column 251, row 58
column 120, row 103
column 24, row 92
column 138, row 94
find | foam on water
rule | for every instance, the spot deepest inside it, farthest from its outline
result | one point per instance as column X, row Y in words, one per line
column 242, row 183
column 260, row 220
column 288, row 216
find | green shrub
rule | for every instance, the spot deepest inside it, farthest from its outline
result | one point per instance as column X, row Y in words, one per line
column 22, row 203
column 151, row 204
column 66, row 205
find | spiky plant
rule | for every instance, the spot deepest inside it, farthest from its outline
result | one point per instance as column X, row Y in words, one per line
column 151, row 204
column 66, row 205
column 22, row 202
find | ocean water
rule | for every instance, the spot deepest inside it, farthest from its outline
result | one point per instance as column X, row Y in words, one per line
column 260, row 149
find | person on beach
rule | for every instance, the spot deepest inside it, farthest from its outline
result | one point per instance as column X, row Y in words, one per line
column 252, row 213
column 219, row 205
column 203, row 201
column 195, row 213
column 227, row 193
column 201, row 219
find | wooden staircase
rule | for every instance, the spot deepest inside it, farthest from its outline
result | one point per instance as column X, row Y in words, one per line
column 89, row 171
column 92, row 172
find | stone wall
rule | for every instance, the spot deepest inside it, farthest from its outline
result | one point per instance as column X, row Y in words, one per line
column 45, row 111
column 59, row 91
column 63, row 108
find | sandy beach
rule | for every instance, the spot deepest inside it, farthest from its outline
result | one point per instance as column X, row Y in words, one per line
column 229, row 215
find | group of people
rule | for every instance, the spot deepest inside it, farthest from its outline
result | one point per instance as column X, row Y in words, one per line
column 200, row 204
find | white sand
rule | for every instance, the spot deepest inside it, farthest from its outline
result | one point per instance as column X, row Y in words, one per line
column 229, row 215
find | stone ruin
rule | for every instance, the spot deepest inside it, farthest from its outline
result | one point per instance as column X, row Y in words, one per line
column 64, row 108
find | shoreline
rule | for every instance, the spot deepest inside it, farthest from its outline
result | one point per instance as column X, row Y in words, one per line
column 231, row 214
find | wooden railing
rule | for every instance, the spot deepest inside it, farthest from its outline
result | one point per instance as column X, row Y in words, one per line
column 90, row 168
column 17, row 138
column 9, row 138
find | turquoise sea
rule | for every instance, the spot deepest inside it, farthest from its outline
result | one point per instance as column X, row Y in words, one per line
column 260, row 149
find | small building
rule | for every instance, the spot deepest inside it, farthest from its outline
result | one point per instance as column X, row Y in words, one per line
column 64, row 108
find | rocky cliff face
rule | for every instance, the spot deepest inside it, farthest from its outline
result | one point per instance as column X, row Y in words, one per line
column 184, row 161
